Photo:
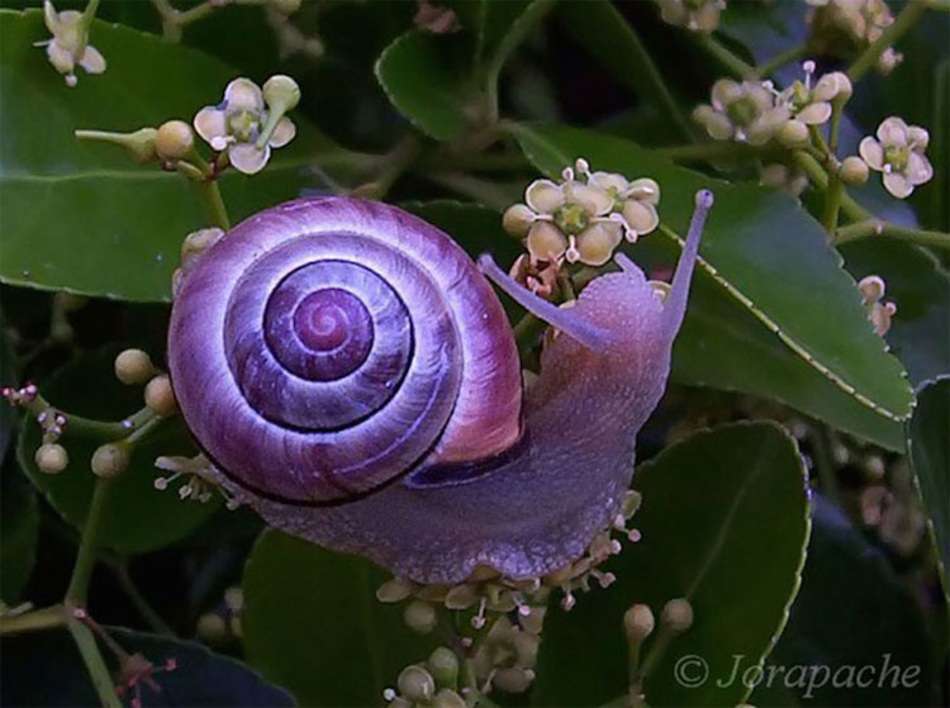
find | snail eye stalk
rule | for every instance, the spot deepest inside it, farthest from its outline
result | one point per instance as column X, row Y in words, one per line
column 571, row 323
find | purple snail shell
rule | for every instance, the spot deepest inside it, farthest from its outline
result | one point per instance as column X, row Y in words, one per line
column 352, row 376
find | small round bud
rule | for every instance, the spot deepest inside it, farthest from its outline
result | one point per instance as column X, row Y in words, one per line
column 677, row 615
column 394, row 590
column 853, row 170
column 51, row 458
column 160, row 397
column 517, row 219
column 286, row 7
column 110, row 460
column 447, row 698
column 281, row 93
column 416, row 684
column 174, row 140
column 513, row 680
column 444, row 665
column 133, row 366
column 638, row 623
column 420, row 617
column 212, row 628
column 793, row 133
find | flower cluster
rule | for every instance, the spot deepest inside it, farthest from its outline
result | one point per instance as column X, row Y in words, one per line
column 754, row 112
column 844, row 28
column 249, row 122
column 880, row 313
column 898, row 153
column 580, row 219
column 695, row 15
column 70, row 43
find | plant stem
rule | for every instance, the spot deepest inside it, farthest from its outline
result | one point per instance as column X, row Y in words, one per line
column 79, row 583
column 147, row 612
column 76, row 424
column 833, row 196
column 907, row 18
column 724, row 56
column 98, row 672
column 648, row 68
column 46, row 618
column 515, row 35
column 217, row 211
column 484, row 191
column 857, row 213
column 781, row 59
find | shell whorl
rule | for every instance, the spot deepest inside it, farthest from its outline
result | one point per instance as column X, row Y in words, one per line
column 327, row 346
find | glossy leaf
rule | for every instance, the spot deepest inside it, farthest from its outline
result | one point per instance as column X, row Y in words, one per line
column 19, row 528
column 82, row 216
column 852, row 611
column 764, row 252
column 140, row 518
column 45, row 669
column 929, row 446
column 424, row 76
column 920, row 287
column 724, row 523
column 312, row 623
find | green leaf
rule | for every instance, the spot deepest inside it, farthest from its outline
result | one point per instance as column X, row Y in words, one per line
column 852, row 611
column 724, row 521
column 475, row 228
column 427, row 79
column 82, row 216
column 765, row 253
column 929, row 446
column 312, row 623
column 19, row 529
column 920, row 331
column 200, row 677
column 139, row 517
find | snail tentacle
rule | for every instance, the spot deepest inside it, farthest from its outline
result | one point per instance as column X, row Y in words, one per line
column 592, row 337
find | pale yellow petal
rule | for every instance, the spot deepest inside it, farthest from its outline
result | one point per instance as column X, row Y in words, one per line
column 641, row 217
column 545, row 241
column 210, row 123
column 92, row 60
column 897, row 184
column 815, row 114
column 244, row 94
column 892, row 131
column 595, row 202
column 544, row 196
column 596, row 243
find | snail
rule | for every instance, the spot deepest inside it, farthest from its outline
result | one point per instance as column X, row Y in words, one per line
column 352, row 376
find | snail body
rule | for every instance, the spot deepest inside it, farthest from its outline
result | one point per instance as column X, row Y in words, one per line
column 351, row 375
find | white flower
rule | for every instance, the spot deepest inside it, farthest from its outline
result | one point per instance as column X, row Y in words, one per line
column 695, row 15
column 583, row 220
column 844, row 28
column 745, row 112
column 70, row 43
column 238, row 123
column 812, row 104
column 898, row 153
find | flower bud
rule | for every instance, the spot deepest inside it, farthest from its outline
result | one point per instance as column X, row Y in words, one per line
column 51, row 458
column 526, row 647
column 420, row 617
column 517, row 220
column 461, row 597
column 677, row 615
column 174, row 140
column 394, row 590
column 133, row 366
column 447, row 698
column 416, row 684
column 793, row 133
column 281, row 93
column 853, row 171
column 160, row 397
column 444, row 665
column 212, row 628
column 110, row 460
column 638, row 623
column 513, row 680
column 533, row 622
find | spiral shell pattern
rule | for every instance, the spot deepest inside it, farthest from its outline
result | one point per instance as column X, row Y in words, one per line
column 325, row 347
